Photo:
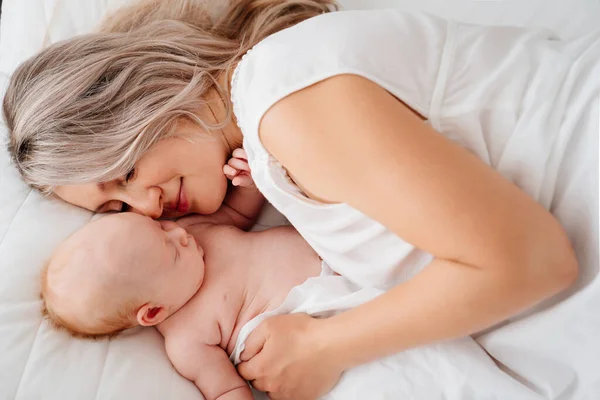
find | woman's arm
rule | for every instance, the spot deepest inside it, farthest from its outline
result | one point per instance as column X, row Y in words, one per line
column 497, row 251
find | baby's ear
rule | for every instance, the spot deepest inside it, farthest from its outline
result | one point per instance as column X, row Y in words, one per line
column 151, row 314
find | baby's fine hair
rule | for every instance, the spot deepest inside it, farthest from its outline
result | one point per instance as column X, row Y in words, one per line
column 106, row 327
column 86, row 109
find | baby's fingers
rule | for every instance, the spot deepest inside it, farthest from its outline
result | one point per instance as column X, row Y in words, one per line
column 230, row 172
column 238, row 164
column 242, row 180
column 240, row 153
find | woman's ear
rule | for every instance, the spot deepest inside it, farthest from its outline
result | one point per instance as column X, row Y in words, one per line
column 151, row 314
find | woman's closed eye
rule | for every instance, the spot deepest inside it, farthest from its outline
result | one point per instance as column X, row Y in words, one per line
column 130, row 175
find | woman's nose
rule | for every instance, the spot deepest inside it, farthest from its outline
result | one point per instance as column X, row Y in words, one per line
column 147, row 202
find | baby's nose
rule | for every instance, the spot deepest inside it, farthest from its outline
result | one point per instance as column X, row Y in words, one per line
column 169, row 225
column 176, row 232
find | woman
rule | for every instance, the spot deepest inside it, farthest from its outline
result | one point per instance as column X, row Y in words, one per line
column 388, row 139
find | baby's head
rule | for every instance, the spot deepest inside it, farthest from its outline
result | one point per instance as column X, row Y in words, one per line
column 118, row 272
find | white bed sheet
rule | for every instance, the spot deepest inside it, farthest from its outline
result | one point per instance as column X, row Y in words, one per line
column 37, row 363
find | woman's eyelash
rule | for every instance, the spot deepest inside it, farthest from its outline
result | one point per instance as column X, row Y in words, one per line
column 129, row 175
column 124, row 206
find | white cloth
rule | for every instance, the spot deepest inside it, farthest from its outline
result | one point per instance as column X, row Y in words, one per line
column 39, row 363
column 453, row 370
column 522, row 100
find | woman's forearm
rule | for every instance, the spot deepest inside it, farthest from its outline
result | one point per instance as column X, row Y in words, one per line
column 446, row 300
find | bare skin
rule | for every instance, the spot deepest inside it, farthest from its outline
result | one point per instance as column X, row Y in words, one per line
column 199, row 282
column 246, row 274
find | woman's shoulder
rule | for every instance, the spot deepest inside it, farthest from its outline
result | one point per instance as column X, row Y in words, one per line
column 382, row 45
column 352, row 27
column 343, row 36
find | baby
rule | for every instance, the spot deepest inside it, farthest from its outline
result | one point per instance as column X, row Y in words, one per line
column 198, row 282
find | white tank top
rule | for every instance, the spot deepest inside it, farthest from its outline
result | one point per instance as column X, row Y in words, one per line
column 501, row 92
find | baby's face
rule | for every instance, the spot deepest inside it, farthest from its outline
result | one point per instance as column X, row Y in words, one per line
column 160, row 259
column 123, row 259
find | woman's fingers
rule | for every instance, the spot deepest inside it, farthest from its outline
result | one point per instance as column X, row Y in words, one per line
column 251, row 366
column 254, row 344
column 285, row 360
column 250, row 371
column 259, row 384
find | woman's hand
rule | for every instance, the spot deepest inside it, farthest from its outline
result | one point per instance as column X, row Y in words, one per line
column 286, row 357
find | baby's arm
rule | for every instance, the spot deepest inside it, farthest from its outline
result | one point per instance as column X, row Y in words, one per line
column 243, row 202
column 211, row 370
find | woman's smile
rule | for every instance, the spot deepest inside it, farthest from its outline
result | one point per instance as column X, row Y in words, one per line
column 181, row 204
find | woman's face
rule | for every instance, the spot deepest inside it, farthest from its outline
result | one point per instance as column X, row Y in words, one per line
column 176, row 176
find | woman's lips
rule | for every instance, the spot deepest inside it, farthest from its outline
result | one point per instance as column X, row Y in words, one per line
column 182, row 201
column 179, row 206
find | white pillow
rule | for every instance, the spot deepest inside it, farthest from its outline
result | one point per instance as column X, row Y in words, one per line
column 38, row 363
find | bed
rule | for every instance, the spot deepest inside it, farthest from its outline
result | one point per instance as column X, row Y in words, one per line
column 39, row 363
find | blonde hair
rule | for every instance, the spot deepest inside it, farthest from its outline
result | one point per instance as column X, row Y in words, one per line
column 86, row 109
column 106, row 327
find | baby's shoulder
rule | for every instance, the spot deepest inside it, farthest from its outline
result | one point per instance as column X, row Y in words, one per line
column 185, row 347
column 185, row 340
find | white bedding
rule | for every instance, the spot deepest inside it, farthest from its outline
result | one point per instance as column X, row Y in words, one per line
column 37, row 363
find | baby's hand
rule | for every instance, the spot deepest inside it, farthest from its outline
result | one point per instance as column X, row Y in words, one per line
column 238, row 170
